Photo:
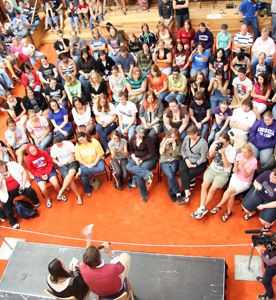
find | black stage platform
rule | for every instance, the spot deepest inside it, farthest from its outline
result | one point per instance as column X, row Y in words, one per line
column 152, row 276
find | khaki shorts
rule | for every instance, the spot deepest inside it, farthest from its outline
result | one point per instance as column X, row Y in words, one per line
column 237, row 141
column 218, row 179
column 60, row 12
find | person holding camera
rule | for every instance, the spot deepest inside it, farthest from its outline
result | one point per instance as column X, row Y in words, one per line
column 269, row 259
column 223, row 155
column 262, row 196
column 13, row 183
column 103, row 279
column 241, row 180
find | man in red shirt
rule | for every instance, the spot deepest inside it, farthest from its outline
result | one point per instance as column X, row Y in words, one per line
column 104, row 279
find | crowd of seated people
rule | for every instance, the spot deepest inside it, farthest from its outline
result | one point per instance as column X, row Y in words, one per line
column 198, row 90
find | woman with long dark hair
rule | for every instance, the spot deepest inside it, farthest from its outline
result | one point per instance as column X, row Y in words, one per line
column 114, row 41
column 30, row 78
column 218, row 61
column 180, row 58
column 66, row 284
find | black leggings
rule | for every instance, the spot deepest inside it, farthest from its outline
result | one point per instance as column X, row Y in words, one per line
column 186, row 174
column 119, row 170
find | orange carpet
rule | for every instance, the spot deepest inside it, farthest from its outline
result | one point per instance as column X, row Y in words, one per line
column 122, row 217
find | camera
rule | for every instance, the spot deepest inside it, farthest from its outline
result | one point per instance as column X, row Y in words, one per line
column 4, row 174
column 75, row 45
column 20, row 190
column 219, row 145
column 267, row 240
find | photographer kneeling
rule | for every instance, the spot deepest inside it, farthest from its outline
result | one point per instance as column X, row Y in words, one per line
column 217, row 174
column 269, row 259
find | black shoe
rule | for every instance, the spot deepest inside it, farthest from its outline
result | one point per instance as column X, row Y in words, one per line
column 180, row 200
column 173, row 198
column 263, row 297
column 117, row 186
column 259, row 278
column 145, row 199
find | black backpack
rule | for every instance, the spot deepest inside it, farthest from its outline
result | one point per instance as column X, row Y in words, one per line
column 25, row 209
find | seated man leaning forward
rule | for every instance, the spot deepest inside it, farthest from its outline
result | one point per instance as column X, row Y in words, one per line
column 103, row 279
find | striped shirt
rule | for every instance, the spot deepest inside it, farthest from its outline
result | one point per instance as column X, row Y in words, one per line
column 136, row 84
column 243, row 40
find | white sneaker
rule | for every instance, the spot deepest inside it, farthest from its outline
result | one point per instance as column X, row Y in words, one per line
column 201, row 214
column 195, row 213
column 31, row 175
column 3, row 220
column 16, row 226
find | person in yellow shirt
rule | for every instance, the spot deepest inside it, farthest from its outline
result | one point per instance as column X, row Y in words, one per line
column 89, row 153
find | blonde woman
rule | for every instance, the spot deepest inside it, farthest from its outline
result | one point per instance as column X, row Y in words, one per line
column 136, row 85
column 242, row 177
column 96, row 87
column 72, row 87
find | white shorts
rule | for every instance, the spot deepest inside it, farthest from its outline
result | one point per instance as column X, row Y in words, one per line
column 261, row 107
column 240, row 186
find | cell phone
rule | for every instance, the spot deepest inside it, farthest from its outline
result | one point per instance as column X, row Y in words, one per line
column 170, row 140
column 73, row 263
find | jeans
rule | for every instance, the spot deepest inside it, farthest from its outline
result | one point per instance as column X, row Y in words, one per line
column 36, row 54
column 114, row 57
column 273, row 26
column 8, row 206
column 209, row 51
column 185, row 72
column 75, row 58
column 212, row 136
column 96, row 55
column 254, row 61
column 6, row 156
column 38, row 88
column 100, row 18
column 146, row 73
column 131, row 130
column 34, row 25
column 194, row 71
column 180, row 19
column 179, row 97
column 52, row 20
column 264, row 154
column 267, row 281
column 5, row 79
column 66, row 137
column 204, row 129
column 119, row 170
column 212, row 74
column 183, row 134
column 167, row 71
column 103, row 133
column 85, row 83
column 142, row 172
column 72, row 21
column 85, row 172
column 274, row 112
column 215, row 100
column 162, row 96
column 254, row 23
column 170, row 169
column 45, row 143
column 116, row 99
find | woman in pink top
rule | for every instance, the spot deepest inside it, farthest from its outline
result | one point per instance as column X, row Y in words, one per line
column 241, row 179
column 186, row 35
column 260, row 93
column 16, row 48
column 158, row 83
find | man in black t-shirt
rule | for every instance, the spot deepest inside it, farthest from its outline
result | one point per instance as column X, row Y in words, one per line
column 46, row 70
column 62, row 44
column 56, row 91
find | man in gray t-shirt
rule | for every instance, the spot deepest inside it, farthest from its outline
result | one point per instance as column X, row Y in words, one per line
column 76, row 45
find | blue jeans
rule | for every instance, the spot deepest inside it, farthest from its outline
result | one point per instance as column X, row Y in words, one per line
column 212, row 74
column 254, row 23
column 212, row 136
column 167, row 71
column 185, row 72
column 103, row 133
column 209, row 51
column 96, row 55
column 38, row 88
column 179, row 97
column 36, row 54
column 146, row 73
column 5, row 80
column 204, row 129
column 100, row 18
column 114, row 57
column 180, row 19
column 142, row 172
column 45, row 143
column 274, row 112
column 85, row 172
column 131, row 130
column 35, row 24
column 194, row 71
column 68, row 137
column 72, row 21
column 170, row 169
column 52, row 20
column 215, row 102
column 183, row 134
column 85, row 83
column 116, row 99
column 273, row 26
column 267, row 281
column 254, row 61
column 162, row 96
column 264, row 154
column 75, row 58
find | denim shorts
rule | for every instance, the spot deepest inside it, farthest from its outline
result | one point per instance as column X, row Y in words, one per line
column 65, row 168
column 53, row 173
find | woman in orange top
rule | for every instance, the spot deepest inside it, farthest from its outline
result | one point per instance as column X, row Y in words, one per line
column 158, row 83
column 162, row 57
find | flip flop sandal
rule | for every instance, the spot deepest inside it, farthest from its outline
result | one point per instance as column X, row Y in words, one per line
column 226, row 216
column 49, row 203
column 187, row 199
column 63, row 198
column 247, row 217
column 79, row 201
column 215, row 210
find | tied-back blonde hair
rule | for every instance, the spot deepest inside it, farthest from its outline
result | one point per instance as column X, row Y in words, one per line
column 69, row 77
column 94, row 73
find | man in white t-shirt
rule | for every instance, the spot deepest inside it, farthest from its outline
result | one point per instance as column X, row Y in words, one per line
column 217, row 175
column 241, row 121
column 242, row 88
column 126, row 112
column 63, row 155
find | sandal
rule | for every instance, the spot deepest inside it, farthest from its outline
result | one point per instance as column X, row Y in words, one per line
column 247, row 216
column 79, row 201
column 63, row 198
column 187, row 199
column 226, row 216
column 215, row 210
column 15, row 78
column 49, row 203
